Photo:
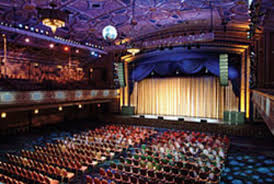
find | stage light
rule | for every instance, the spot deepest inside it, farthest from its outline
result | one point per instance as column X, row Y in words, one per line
column 27, row 40
column 60, row 108
column 36, row 111
column 98, row 105
column 66, row 49
column 77, row 51
column 3, row 115
column 51, row 45
column 80, row 106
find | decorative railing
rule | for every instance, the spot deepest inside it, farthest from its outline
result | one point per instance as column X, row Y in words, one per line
column 10, row 98
column 264, row 101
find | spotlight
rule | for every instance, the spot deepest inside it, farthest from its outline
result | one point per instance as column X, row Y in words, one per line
column 80, row 106
column 98, row 105
column 3, row 115
column 36, row 111
column 51, row 45
column 27, row 40
column 66, row 49
column 77, row 51
column 60, row 108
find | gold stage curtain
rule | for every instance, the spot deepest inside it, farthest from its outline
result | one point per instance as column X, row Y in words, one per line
column 188, row 96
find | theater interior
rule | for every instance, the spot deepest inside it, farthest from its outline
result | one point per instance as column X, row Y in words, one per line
column 137, row 91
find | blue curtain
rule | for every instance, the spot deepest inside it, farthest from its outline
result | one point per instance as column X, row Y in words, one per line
column 167, row 63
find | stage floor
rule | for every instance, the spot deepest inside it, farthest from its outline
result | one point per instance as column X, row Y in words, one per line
column 179, row 118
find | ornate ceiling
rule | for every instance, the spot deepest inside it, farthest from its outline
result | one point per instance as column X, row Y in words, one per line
column 88, row 17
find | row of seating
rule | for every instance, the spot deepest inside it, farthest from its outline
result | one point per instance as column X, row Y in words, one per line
column 27, row 174
column 96, row 180
column 9, row 180
column 51, row 170
column 127, row 135
column 57, row 161
column 70, row 164
column 167, row 165
column 90, row 143
column 172, row 157
column 169, row 158
column 169, row 173
column 83, row 149
column 82, row 159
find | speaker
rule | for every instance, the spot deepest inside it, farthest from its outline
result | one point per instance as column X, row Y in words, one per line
column 241, row 117
column 127, row 110
column 181, row 119
column 227, row 116
column 234, row 115
column 160, row 117
column 203, row 120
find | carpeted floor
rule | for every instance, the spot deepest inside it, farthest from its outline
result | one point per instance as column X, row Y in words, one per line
column 250, row 160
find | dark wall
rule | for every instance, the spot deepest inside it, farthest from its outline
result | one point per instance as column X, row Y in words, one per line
column 265, row 66
column 23, row 121
column 102, row 74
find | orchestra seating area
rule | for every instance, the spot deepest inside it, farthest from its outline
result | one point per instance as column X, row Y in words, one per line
column 131, row 154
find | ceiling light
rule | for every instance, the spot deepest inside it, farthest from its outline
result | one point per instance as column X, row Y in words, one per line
column 27, row 40
column 3, row 115
column 133, row 50
column 60, row 108
column 52, row 17
column 51, row 45
column 66, row 49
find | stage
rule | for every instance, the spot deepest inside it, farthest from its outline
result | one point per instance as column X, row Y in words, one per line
column 180, row 118
column 189, row 123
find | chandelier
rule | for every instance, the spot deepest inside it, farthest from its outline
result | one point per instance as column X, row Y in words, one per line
column 53, row 18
